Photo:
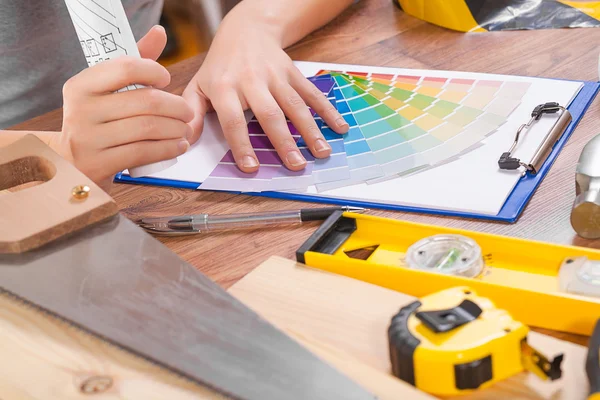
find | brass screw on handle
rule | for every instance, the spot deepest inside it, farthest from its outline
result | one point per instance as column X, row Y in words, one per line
column 81, row 192
column 96, row 384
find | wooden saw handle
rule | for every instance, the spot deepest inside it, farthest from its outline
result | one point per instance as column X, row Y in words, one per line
column 36, row 215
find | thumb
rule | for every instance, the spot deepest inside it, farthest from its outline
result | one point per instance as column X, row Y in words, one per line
column 200, row 105
column 152, row 45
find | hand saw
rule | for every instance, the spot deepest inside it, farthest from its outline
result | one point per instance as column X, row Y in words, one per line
column 66, row 250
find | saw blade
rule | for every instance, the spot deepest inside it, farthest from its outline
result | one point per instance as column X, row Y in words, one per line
column 121, row 284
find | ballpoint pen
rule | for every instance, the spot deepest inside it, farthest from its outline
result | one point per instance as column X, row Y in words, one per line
column 198, row 223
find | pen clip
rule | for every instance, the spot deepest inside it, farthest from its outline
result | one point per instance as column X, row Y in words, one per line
column 161, row 226
column 168, row 231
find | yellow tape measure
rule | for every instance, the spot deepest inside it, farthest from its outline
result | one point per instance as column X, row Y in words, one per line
column 454, row 341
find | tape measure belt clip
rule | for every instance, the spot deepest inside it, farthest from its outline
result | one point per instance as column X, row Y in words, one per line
column 441, row 321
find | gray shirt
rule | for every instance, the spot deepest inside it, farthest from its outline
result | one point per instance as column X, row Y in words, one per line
column 39, row 52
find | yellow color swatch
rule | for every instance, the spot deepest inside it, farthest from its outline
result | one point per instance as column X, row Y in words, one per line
column 409, row 112
column 375, row 93
column 395, row 104
column 428, row 122
column 406, row 86
column 429, row 91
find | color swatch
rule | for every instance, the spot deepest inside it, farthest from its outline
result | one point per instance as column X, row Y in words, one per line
column 272, row 174
column 400, row 125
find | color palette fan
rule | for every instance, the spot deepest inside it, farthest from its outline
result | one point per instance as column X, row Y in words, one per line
column 400, row 125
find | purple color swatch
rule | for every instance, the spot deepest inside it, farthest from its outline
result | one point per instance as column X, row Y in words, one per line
column 272, row 174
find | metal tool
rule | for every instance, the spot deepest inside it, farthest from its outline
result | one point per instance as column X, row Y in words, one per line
column 585, row 214
column 453, row 342
column 203, row 223
column 508, row 162
column 115, row 281
column 592, row 364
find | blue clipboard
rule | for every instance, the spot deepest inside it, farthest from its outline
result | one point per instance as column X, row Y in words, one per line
column 510, row 212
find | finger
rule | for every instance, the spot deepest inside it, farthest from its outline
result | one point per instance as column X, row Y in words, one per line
column 146, row 101
column 136, row 154
column 231, row 116
column 272, row 120
column 199, row 104
column 112, row 75
column 139, row 129
column 294, row 107
column 153, row 43
column 318, row 102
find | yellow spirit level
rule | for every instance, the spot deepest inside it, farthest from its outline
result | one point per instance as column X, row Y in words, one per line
column 453, row 342
column 520, row 276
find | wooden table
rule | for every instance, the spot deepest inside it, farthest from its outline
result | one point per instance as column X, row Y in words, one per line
column 375, row 32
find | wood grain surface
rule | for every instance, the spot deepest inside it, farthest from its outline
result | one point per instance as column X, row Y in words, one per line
column 324, row 310
column 375, row 32
column 45, row 358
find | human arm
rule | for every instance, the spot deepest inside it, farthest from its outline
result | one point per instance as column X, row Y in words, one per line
column 247, row 68
column 105, row 132
column 292, row 20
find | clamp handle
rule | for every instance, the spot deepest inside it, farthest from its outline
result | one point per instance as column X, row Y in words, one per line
column 547, row 108
column 507, row 162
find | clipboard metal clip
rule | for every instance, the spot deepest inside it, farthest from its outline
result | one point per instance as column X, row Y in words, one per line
column 507, row 162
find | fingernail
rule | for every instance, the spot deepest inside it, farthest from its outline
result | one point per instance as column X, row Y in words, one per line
column 321, row 146
column 295, row 159
column 341, row 122
column 249, row 162
column 183, row 146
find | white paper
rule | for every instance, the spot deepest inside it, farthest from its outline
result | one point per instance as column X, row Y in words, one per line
column 104, row 33
column 472, row 183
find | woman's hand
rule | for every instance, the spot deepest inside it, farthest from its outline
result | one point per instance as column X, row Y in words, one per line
column 247, row 68
column 106, row 132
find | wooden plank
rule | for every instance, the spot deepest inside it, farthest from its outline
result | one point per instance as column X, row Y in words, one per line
column 44, row 358
column 324, row 310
